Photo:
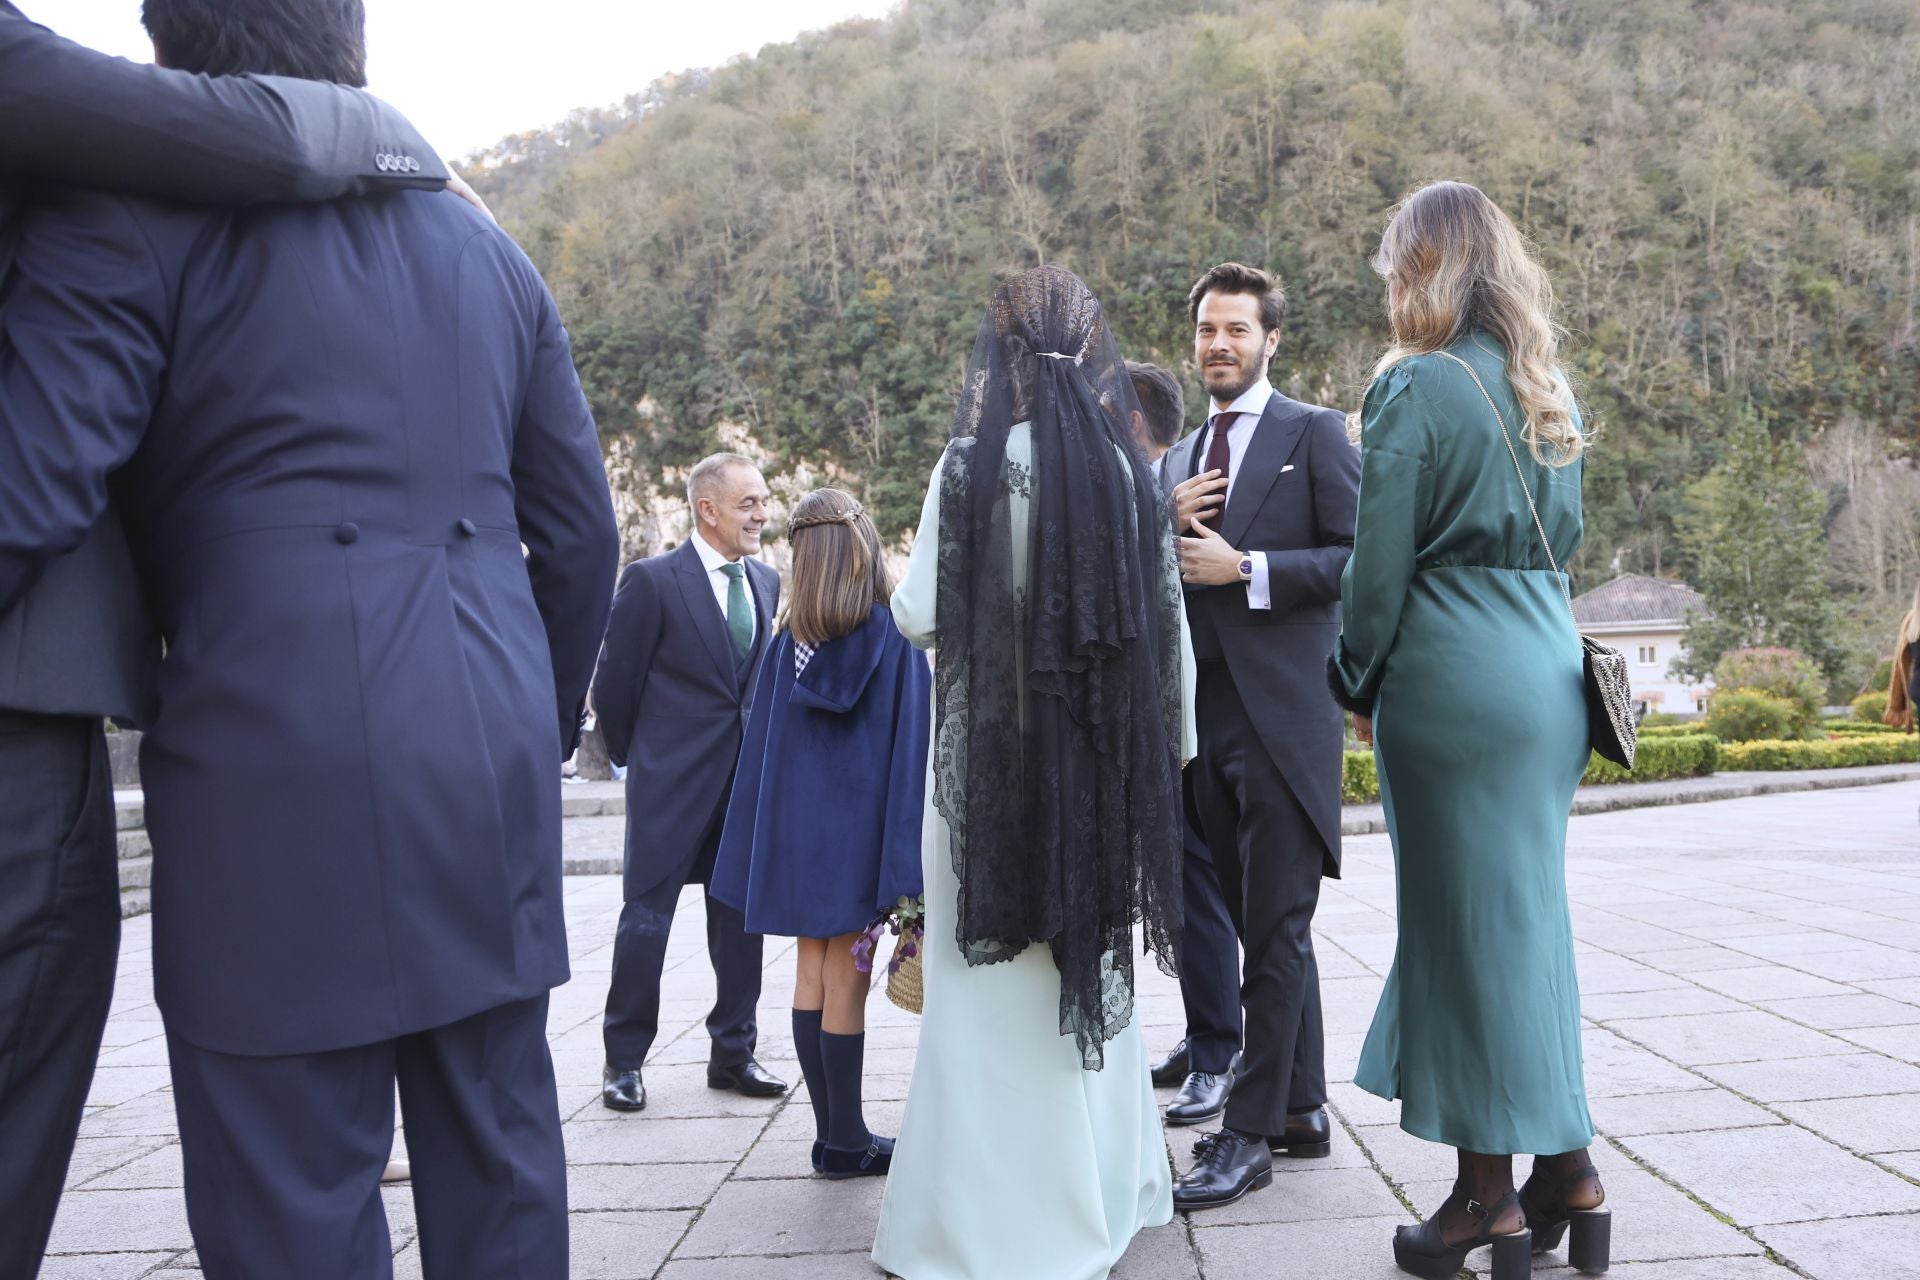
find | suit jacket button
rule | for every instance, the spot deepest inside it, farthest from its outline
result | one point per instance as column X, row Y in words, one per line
column 468, row 527
column 347, row 534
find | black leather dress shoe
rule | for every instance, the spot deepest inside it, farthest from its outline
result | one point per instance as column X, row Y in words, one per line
column 1202, row 1098
column 749, row 1078
column 622, row 1090
column 1226, row 1165
column 1172, row 1069
column 1308, row 1136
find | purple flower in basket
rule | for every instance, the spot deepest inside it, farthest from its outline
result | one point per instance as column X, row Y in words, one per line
column 909, row 948
column 903, row 920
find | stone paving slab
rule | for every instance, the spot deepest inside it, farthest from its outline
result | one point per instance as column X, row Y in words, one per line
column 1751, row 976
column 1883, row 1248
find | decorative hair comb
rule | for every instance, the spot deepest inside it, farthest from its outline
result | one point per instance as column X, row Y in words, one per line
column 845, row 517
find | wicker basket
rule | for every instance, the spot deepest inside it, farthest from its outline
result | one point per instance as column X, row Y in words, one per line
column 904, row 987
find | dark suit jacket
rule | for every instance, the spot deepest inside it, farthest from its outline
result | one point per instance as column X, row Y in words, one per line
column 338, row 425
column 673, row 704
column 1302, row 519
column 81, row 641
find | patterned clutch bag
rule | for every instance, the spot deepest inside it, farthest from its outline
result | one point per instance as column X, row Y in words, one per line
column 1612, row 729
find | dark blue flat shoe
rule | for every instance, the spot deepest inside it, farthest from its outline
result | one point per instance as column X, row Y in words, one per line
column 871, row 1163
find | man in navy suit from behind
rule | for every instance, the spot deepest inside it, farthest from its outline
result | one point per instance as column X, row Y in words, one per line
column 78, row 644
column 332, row 429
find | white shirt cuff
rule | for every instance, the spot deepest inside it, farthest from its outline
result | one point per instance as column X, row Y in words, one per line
column 1258, row 595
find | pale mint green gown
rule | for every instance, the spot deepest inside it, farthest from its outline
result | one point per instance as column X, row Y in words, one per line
column 1013, row 1162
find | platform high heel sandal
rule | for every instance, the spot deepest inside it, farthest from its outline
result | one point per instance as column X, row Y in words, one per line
column 1424, row 1252
column 1550, row 1220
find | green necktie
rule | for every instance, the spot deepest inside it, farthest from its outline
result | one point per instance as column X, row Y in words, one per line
column 739, row 616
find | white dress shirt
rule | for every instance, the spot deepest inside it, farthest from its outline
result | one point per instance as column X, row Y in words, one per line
column 712, row 560
column 1250, row 405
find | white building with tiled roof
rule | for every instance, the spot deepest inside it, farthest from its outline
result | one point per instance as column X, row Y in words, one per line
column 1646, row 619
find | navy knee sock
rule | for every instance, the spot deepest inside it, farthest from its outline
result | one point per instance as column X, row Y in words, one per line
column 845, row 1060
column 806, row 1046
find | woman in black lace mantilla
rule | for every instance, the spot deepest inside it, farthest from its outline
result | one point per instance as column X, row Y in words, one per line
column 1043, row 573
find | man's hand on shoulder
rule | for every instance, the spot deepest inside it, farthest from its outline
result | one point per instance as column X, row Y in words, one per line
column 458, row 185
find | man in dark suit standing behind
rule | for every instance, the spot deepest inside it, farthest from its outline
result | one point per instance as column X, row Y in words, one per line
column 334, row 427
column 1204, row 1062
column 1266, row 501
column 673, row 691
column 79, row 645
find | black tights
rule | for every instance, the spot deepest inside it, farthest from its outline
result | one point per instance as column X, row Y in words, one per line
column 1484, row 1181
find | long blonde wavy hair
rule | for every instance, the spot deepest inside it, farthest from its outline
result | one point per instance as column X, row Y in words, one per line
column 1460, row 266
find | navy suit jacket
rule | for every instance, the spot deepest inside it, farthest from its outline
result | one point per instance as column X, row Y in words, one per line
column 673, row 704
column 336, row 426
column 1294, row 499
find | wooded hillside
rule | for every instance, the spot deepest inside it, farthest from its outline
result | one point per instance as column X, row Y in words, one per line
column 793, row 250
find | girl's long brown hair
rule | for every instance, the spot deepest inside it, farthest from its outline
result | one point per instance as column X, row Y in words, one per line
column 838, row 572
column 1458, row 264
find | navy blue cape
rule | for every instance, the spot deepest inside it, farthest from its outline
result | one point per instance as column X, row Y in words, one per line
column 823, row 827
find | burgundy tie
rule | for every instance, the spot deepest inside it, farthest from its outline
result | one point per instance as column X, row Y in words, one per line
column 1218, row 457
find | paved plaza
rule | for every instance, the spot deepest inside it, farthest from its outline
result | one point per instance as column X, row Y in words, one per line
column 1751, row 980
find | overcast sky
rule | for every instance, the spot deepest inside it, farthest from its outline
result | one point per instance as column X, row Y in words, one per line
column 469, row 72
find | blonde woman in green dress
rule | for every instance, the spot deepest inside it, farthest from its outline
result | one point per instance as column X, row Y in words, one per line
column 1458, row 651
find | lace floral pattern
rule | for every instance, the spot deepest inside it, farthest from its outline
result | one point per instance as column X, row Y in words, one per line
column 1058, row 714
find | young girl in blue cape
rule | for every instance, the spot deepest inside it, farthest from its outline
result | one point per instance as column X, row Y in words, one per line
column 823, row 829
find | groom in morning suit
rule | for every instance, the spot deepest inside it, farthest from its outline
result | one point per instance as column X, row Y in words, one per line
column 673, row 692
column 1265, row 500
column 78, row 644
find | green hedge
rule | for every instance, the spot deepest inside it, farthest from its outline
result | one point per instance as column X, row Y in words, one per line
column 1359, row 784
column 1832, row 753
column 1694, row 755
column 1687, row 730
column 1826, row 727
column 1871, row 707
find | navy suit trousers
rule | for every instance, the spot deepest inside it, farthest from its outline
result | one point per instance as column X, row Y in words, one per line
column 640, row 958
column 1209, row 952
column 283, row 1155
column 59, row 937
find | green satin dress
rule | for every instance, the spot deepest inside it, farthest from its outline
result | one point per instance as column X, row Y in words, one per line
column 1455, row 628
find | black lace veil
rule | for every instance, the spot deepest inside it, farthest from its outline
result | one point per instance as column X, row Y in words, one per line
column 1058, row 717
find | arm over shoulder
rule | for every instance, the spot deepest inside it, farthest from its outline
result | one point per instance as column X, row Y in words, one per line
column 74, row 115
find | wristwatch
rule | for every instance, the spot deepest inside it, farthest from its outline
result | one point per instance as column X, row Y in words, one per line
column 1246, row 568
